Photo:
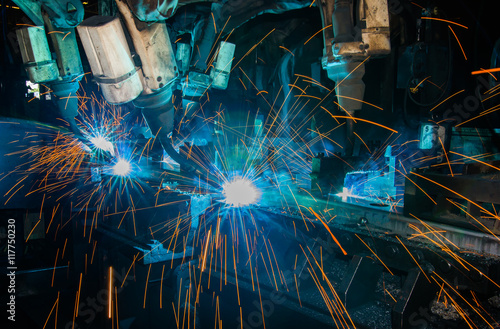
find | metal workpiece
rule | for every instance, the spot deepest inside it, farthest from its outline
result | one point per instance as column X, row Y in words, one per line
column 356, row 212
column 374, row 265
column 14, row 129
column 359, row 282
column 459, row 201
column 374, row 252
column 351, row 219
column 175, row 215
column 416, row 295
column 371, row 236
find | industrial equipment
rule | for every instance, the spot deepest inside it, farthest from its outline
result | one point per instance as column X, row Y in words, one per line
column 250, row 164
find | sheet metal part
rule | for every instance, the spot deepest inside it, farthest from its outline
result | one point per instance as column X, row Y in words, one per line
column 359, row 283
column 463, row 201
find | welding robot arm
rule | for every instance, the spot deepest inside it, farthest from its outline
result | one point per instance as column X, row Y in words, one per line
column 352, row 38
column 151, row 87
column 62, row 74
column 64, row 14
column 354, row 31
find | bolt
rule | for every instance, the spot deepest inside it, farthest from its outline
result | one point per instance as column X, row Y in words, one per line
column 392, row 250
column 445, row 266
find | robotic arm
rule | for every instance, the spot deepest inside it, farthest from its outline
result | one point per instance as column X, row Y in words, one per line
column 64, row 14
column 358, row 31
column 151, row 87
column 62, row 73
column 349, row 43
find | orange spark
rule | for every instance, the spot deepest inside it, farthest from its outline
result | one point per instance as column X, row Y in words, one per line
column 458, row 92
column 329, row 231
column 461, row 48
column 481, row 71
column 444, row 20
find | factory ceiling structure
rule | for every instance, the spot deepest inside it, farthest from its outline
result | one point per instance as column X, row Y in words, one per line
column 250, row 164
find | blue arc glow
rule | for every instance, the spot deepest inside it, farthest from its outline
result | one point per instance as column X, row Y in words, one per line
column 240, row 192
column 103, row 144
column 122, row 168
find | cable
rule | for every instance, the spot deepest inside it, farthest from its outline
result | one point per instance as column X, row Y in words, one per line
column 424, row 105
column 445, row 89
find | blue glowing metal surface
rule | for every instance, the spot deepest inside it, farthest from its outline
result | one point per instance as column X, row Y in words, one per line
column 102, row 143
column 240, row 192
column 122, row 168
